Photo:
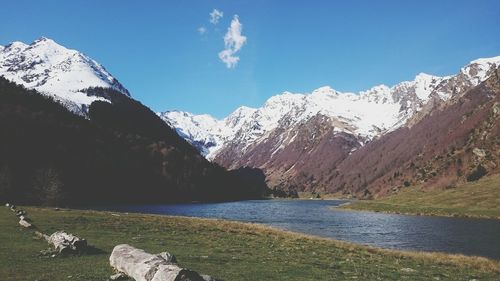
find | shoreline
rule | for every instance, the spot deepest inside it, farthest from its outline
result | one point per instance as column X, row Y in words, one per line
column 351, row 206
column 262, row 226
column 224, row 249
column 309, row 231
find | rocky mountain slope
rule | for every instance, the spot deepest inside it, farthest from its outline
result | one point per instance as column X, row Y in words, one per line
column 457, row 141
column 365, row 114
column 56, row 71
column 300, row 140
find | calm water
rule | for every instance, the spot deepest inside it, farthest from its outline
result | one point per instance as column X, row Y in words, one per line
column 454, row 235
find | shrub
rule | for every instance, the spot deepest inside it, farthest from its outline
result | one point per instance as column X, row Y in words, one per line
column 478, row 173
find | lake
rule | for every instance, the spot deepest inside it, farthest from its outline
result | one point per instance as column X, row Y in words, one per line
column 422, row 233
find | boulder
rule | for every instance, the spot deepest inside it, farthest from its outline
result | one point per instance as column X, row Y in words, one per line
column 41, row 235
column 143, row 266
column 66, row 243
column 24, row 223
column 481, row 153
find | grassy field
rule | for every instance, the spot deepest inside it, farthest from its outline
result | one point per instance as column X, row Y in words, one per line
column 225, row 250
column 475, row 199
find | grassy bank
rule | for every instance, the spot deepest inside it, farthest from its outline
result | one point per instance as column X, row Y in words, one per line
column 225, row 250
column 326, row 196
column 475, row 199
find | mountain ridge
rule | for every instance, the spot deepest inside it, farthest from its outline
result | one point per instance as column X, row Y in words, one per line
column 56, row 71
column 300, row 140
column 398, row 103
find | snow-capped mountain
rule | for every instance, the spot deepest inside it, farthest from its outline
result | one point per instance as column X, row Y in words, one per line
column 367, row 114
column 300, row 139
column 205, row 132
column 56, row 71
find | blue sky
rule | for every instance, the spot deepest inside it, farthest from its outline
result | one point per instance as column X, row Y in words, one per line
column 155, row 49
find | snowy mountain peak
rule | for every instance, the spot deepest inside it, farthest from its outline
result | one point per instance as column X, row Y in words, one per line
column 239, row 113
column 479, row 69
column 424, row 84
column 48, row 48
column 367, row 114
column 379, row 93
column 15, row 47
column 203, row 131
column 54, row 70
column 380, row 88
column 325, row 90
column 425, row 77
column 283, row 99
column 487, row 61
column 239, row 117
column 44, row 40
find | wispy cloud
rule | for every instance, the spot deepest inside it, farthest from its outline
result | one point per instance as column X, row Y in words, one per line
column 215, row 16
column 233, row 41
column 202, row 30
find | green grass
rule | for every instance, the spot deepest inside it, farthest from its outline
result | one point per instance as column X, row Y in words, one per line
column 475, row 199
column 225, row 250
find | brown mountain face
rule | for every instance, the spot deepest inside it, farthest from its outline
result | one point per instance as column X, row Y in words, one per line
column 457, row 141
column 456, row 86
column 447, row 142
column 300, row 157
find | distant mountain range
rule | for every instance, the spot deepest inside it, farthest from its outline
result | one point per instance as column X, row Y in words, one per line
column 108, row 148
column 432, row 131
column 310, row 141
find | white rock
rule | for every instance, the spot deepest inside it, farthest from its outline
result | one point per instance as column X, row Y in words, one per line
column 143, row 266
column 479, row 152
column 24, row 223
column 65, row 242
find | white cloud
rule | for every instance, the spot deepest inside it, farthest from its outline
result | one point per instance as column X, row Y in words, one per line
column 215, row 16
column 202, row 30
column 233, row 41
column 227, row 57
